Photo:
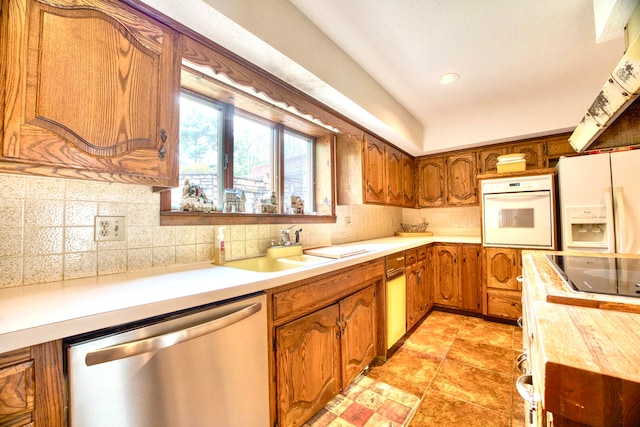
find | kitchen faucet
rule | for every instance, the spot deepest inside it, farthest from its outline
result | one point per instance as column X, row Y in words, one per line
column 286, row 238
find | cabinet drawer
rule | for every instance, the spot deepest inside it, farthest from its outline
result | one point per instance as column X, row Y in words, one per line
column 16, row 384
column 410, row 257
column 309, row 295
column 507, row 305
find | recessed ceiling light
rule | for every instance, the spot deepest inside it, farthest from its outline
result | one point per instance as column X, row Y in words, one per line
column 449, row 78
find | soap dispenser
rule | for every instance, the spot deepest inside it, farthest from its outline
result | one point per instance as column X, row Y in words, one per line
column 219, row 256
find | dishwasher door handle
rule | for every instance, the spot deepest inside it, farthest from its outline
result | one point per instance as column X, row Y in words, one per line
column 151, row 344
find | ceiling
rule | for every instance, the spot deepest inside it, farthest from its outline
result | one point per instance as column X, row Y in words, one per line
column 527, row 68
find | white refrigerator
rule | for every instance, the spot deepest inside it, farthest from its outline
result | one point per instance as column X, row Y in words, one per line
column 599, row 202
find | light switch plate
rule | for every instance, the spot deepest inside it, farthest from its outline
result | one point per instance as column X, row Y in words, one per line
column 110, row 228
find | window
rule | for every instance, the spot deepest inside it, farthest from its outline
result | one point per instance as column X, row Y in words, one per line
column 259, row 160
column 201, row 124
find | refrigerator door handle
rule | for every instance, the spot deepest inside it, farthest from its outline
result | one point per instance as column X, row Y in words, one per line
column 620, row 225
column 608, row 201
column 151, row 344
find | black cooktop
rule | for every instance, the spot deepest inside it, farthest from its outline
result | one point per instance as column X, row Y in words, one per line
column 600, row 275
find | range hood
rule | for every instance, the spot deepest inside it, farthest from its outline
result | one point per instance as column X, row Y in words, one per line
column 619, row 91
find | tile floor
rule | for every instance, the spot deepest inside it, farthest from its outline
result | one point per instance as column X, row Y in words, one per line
column 463, row 368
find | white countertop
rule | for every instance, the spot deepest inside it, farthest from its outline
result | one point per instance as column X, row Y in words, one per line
column 35, row 314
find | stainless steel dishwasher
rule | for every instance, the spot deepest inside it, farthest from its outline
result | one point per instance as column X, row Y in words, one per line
column 201, row 367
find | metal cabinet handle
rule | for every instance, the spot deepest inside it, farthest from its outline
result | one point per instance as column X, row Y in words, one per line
column 520, row 279
column 163, row 150
column 519, row 321
column 522, row 359
column 151, row 344
column 524, row 385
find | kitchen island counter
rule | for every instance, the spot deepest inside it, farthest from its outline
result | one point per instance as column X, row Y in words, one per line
column 35, row 314
column 584, row 348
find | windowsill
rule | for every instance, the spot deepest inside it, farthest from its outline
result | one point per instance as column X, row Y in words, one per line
column 216, row 218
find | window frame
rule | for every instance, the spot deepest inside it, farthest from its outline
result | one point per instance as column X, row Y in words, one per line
column 173, row 217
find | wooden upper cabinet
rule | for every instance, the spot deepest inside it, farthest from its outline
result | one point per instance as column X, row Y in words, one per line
column 431, row 183
column 534, row 152
column 461, row 180
column 488, row 159
column 375, row 183
column 92, row 90
column 393, row 172
column 559, row 146
column 408, row 182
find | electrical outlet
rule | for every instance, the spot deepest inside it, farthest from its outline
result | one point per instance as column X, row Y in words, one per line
column 109, row 228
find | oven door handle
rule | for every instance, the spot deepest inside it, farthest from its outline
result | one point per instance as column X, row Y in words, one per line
column 151, row 344
column 520, row 196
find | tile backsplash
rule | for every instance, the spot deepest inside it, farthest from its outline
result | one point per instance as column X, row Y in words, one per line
column 47, row 232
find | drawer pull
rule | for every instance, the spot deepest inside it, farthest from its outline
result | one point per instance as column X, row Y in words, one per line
column 519, row 321
column 524, row 385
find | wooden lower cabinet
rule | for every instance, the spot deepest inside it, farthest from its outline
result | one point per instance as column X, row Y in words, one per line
column 31, row 386
column 456, row 277
column 325, row 331
column 308, row 365
column 419, row 284
column 503, row 293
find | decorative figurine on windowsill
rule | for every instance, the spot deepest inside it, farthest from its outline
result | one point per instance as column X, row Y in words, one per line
column 194, row 199
column 297, row 205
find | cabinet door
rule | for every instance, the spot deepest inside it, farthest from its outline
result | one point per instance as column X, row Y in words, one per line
column 408, row 182
column 429, row 281
column 533, row 154
column 307, row 365
column 431, row 183
column 446, row 276
column 461, row 180
column 375, row 185
column 488, row 159
column 502, row 268
column 358, row 320
column 393, row 171
column 411, row 273
column 470, row 283
column 422, row 293
column 92, row 88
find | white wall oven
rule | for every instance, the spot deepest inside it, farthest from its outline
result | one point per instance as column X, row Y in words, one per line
column 518, row 212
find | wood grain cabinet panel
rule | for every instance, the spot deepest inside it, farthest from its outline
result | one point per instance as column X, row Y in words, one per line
column 31, row 386
column 447, row 279
column 375, row 181
column 358, row 323
column 325, row 331
column 91, row 89
column 393, row 173
column 456, row 276
column 408, row 182
column 431, row 182
column 470, row 281
column 308, row 365
column 502, row 266
column 461, row 180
